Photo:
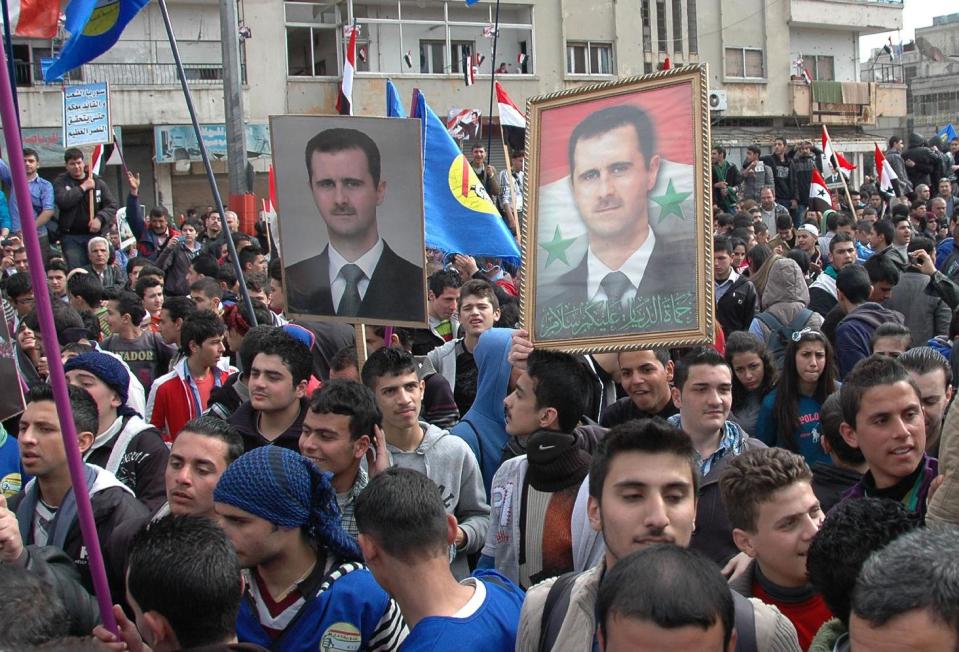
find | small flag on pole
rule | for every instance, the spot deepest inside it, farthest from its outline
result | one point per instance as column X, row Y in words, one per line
column 802, row 71
column 490, row 31
column 408, row 59
column 509, row 113
column 834, row 159
column 344, row 102
column 948, row 131
column 667, row 64
column 33, row 18
column 521, row 58
column 819, row 198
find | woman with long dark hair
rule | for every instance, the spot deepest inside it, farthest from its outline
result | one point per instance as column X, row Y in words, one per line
column 789, row 416
column 754, row 376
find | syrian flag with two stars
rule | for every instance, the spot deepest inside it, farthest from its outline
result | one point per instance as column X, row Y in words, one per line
column 819, row 197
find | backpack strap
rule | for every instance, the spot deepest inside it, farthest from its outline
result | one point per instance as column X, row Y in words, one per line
column 770, row 320
column 745, row 624
column 554, row 610
column 800, row 320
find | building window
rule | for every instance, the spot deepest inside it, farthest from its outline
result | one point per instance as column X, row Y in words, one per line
column 435, row 34
column 661, row 24
column 691, row 20
column 820, row 67
column 677, row 26
column 589, row 58
column 744, row 63
column 647, row 33
column 312, row 41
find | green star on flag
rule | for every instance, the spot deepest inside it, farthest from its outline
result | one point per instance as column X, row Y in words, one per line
column 671, row 202
column 556, row 248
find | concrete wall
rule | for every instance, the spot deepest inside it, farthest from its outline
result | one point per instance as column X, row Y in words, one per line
column 841, row 46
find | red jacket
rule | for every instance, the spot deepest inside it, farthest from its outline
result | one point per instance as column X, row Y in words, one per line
column 174, row 399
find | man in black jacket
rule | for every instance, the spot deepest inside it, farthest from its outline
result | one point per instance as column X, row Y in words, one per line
column 71, row 191
column 780, row 165
column 46, row 508
column 735, row 295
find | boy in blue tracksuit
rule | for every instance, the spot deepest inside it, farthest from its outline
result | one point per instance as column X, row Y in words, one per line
column 406, row 536
column 12, row 476
column 306, row 585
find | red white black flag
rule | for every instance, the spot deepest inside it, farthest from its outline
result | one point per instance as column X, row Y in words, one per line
column 344, row 102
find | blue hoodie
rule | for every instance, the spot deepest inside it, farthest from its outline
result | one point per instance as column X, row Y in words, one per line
column 483, row 427
column 12, row 476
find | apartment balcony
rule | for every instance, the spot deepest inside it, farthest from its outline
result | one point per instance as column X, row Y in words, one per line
column 862, row 16
column 847, row 103
column 127, row 74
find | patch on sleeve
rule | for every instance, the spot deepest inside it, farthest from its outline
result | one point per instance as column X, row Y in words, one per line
column 341, row 637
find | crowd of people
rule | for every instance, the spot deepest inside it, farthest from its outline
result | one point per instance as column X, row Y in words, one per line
column 263, row 483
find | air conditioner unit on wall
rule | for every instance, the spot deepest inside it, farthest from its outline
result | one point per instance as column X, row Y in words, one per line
column 717, row 100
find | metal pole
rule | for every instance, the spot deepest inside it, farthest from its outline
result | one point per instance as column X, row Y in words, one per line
column 492, row 83
column 233, row 98
column 217, row 200
column 57, row 378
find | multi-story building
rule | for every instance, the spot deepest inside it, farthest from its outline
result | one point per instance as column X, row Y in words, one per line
column 929, row 66
column 293, row 60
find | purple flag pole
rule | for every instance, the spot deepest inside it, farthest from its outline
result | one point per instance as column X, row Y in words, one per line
column 8, row 116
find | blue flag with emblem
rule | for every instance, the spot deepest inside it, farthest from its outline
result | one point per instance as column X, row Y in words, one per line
column 948, row 131
column 460, row 216
column 94, row 26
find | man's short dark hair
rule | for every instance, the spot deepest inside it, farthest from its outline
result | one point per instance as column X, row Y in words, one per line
column 853, row 282
column 159, row 211
column 352, row 399
column 881, row 269
column 652, row 436
column 294, row 354
column 31, row 612
column 248, row 255
column 71, row 154
column 29, row 151
column 344, row 358
column 874, row 371
column 605, row 120
column 919, row 242
column 753, row 149
column 58, row 265
column 208, row 286
column 559, row 382
column 144, row 283
column 891, row 329
column 852, row 531
column 251, row 345
column 137, row 261
column 699, row 356
column 721, row 243
column 894, row 140
column 128, row 303
column 215, row 428
column 18, row 285
column 226, row 275
column 179, row 307
column 185, row 569
column 198, row 328
column 205, row 264
column 403, row 511
column 844, row 219
column 86, row 418
column 753, row 478
column 840, row 238
column 479, row 288
column 669, row 586
column 387, row 362
column 783, row 222
column 830, row 418
column 274, row 270
column 442, row 279
column 64, row 317
column 918, row 570
column 923, row 360
column 719, row 149
column 330, row 141
column 886, row 229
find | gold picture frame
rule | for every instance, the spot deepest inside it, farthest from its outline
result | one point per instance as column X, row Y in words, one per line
column 617, row 242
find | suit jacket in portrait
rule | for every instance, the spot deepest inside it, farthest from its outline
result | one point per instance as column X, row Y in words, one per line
column 664, row 301
column 396, row 291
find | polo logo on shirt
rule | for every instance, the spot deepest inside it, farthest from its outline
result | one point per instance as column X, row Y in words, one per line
column 341, row 637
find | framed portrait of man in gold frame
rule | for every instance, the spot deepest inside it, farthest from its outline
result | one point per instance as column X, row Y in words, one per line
column 617, row 244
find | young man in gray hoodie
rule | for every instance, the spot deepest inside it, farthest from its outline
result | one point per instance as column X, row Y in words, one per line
column 445, row 459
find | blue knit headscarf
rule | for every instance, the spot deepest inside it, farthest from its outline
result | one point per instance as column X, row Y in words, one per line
column 288, row 490
column 105, row 367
